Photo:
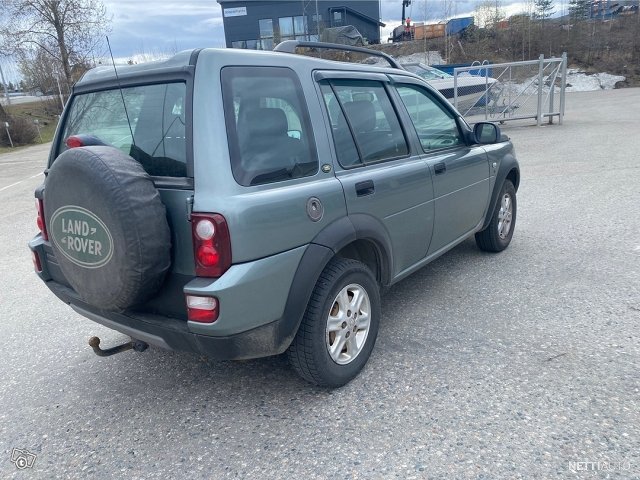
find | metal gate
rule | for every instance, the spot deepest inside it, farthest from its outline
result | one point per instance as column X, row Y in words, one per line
column 504, row 92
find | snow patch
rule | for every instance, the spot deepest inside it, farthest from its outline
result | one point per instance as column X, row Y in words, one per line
column 431, row 57
column 578, row 81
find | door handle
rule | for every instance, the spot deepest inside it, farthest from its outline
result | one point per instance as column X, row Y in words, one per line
column 440, row 168
column 365, row 188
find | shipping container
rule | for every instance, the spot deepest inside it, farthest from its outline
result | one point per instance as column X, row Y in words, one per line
column 457, row 25
column 435, row 30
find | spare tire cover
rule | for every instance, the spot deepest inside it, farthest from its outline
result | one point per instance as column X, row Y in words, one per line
column 107, row 226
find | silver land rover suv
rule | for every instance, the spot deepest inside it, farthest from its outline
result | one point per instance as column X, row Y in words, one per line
column 241, row 204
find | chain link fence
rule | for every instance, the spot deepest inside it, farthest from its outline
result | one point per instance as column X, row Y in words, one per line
column 505, row 92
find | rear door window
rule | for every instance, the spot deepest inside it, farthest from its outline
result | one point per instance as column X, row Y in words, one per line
column 362, row 110
column 268, row 126
column 156, row 115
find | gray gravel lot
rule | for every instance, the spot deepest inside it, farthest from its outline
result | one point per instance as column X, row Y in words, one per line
column 515, row 365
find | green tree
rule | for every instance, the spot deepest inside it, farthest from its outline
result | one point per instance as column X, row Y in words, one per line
column 544, row 9
column 579, row 9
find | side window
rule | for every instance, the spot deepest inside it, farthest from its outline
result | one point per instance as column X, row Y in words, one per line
column 268, row 126
column 435, row 125
column 346, row 150
column 362, row 110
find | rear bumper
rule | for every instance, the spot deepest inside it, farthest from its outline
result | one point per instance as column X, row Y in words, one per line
column 260, row 307
column 174, row 334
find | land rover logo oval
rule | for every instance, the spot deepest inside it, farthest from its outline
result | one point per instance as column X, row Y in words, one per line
column 81, row 236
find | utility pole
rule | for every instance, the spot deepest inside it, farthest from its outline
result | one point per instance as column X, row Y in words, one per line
column 6, row 92
column 317, row 21
column 305, row 20
column 307, row 28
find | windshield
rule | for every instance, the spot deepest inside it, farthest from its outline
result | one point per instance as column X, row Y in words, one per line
column 157, row 117
column 426, row 72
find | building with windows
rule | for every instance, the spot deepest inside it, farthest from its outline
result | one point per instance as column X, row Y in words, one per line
column 606, row 9
column 260, row 24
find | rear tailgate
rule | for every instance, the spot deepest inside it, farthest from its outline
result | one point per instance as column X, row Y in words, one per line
column 158, row 116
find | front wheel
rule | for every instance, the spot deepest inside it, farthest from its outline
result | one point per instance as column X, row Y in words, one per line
column 497, row 236
column 340, row 326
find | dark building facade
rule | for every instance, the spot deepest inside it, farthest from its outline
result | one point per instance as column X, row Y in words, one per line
column 260, row 25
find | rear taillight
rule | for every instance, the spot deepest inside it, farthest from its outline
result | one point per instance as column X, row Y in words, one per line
column 42, row 225
column 202, row 309
column 211, row 244
column 36, row 261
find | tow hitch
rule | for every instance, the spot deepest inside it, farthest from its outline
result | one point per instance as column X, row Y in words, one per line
column 137, row 345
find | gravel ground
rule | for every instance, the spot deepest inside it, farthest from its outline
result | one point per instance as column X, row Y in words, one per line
column 518, row 365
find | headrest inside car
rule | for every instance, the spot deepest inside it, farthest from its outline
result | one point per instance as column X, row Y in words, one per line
column 362, row 115
column 267, row 121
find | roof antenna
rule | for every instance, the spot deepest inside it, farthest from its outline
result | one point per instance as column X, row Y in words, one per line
column 124, row 104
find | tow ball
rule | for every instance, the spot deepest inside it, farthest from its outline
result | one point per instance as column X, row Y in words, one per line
column 137, row 345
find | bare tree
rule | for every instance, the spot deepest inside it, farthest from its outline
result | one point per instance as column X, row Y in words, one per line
column 40, row 70
column 67, row 30
column 488, row 13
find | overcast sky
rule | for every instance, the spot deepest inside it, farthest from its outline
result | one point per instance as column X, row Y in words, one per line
column 153, row 28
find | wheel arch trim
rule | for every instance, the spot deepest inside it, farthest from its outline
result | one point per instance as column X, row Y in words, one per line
column 509, row 167
column 365, row 227
column 319, row 252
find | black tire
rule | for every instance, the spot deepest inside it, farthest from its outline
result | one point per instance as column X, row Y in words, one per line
column 102, row 188
column 309, row 352
column 493, row 238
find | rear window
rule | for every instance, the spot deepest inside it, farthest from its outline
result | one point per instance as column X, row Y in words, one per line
column 157, row 116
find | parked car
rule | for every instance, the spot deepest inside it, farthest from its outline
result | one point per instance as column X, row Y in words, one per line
column 473, row 90
column 240, row 204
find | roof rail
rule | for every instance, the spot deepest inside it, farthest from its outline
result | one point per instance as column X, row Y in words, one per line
column 289, row 46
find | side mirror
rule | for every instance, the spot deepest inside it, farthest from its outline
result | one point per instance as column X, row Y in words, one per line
column 487, row 133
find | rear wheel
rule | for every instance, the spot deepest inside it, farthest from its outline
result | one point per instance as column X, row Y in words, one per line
column 340, row 326
column 497, row 236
